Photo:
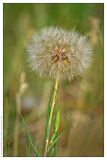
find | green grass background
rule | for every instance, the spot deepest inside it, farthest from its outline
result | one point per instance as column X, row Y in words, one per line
column 80, row 101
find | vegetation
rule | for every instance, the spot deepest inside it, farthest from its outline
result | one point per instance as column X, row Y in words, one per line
column 27, row 96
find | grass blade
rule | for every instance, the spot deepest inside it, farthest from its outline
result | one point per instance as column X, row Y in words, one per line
column 56, row 128
column 57, row 120
column 28, row 150
column 56, row 125
column 29, row 138
column 47, row 119
column 55, row 141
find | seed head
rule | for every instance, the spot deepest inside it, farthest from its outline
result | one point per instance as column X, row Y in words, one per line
column 58, row 53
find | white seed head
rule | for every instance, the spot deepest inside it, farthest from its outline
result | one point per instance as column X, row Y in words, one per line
column 58, row 53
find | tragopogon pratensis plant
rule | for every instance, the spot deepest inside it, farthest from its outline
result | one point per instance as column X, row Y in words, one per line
column 61, row 55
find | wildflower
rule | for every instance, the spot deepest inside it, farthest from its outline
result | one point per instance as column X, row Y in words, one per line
column 59, row 53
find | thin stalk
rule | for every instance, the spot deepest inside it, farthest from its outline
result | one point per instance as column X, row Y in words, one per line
column 50, row 117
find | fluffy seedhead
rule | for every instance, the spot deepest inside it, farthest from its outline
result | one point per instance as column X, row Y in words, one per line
column 58, row 53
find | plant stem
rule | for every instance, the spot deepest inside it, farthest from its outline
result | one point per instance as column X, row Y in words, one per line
column 50, row 117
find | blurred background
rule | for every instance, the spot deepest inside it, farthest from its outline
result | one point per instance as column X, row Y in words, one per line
column 80, row 101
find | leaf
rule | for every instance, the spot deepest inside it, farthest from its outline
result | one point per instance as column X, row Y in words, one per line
column 47, row 120
column 57, row 120
column 56, row 125
column 47, row 129
column 55, row 141
column 29, row 137
column 55, row 134
column 28, row 150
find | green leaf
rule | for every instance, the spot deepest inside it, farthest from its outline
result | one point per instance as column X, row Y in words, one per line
column 55, row 134
column 56, row 125
column 57, row 120
column 28, row 150
column 47, row 119
column 29, row 137
column 55, row 141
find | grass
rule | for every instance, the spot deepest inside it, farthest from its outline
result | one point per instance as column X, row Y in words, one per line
column 50, row 144
column 30, row 141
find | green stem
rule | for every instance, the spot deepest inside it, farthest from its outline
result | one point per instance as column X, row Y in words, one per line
column 50, row 117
